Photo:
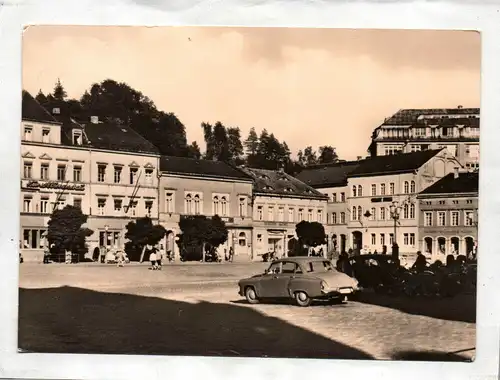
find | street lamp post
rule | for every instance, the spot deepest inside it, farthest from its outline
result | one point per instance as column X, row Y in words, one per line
column 395, row 212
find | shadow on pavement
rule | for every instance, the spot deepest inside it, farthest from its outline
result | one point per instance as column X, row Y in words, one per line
column 430, row 356
column 461, row 308
column 75, row 320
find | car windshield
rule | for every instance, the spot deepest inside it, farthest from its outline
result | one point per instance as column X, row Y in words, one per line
column 319, row 266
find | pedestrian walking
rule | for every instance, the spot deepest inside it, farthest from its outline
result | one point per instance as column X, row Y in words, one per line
column 231, row 254
column 120, row 258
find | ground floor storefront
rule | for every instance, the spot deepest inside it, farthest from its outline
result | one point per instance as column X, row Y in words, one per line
column 33, row 236
column 437, row 243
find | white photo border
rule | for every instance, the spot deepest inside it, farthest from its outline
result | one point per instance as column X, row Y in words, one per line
column 14, row 15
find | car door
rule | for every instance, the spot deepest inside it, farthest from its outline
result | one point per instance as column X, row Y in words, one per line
column 275, row 283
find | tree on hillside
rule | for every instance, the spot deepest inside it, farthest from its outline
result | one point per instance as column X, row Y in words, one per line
column 194, row 150
column 65, row 231
column 140, row 233
column 251, row 143
column 327, row 155
column 235, row 146
column 59, row 92
column 40, row 97
column 198, row 231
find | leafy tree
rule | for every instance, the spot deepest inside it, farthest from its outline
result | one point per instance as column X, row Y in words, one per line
column 65, row 231
column 140, row 233
column 59, row 92
column 40, row 97
column 310, row 234
column 327, row 155
column 310, row 156
column 198, row 231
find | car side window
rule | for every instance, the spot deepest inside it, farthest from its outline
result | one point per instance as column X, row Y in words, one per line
column 298, row 269
column 275, row 268
column 289, row 267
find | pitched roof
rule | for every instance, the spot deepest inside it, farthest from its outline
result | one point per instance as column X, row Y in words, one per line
column 331, row 175
column 410, row 116
column 203, row 168
column 393, row 164
column 111, row 136
column 279, row 183
column 34, row 111
column 465, row 183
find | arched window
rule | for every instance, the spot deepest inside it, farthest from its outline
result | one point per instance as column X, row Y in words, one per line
column 216, row 205
column 334, row 218
column 412, row 187
column 412, row 211
column 406, row 210
column 197, row 204
column 354, row 213
column 360, row 213
column 242, row 239
column 223, row 202
column 354, row 191
column 188, row 204
column 360, row 191
column 406, row 187
column 342, row 217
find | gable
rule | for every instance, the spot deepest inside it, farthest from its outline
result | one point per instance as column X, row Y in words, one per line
column 45, row 156
column 28, row 155
column 149, row 165
column 134, row 164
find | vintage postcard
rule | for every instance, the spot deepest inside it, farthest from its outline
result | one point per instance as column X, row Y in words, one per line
column 250, row 192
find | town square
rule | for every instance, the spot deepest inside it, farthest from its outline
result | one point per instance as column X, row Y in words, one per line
column 349, row 231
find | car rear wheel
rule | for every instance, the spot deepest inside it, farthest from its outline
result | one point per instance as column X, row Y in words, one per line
column 302, row 299
column 251, row 296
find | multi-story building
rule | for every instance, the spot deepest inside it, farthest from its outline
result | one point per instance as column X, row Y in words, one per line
column 331, row 180
column 203, row 187
column 106, row 169
column 280, row 201
column 410, row 130
column 52, row 175
column 448, row 216
column 372, row 193
column 382, row 202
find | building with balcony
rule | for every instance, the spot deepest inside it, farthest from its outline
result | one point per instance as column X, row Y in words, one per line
column 106, row 169
column 280, row 201
column 202, row 187
column 410, row 130
column 448, row 222
column 331, row 180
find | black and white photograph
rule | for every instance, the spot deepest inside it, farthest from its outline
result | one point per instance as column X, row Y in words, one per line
column 249, row 192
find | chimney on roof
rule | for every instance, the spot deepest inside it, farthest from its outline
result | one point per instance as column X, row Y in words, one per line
column 94, row 119
column 359, row 158
column 456, row 174
column 460, row 107
column 56, row 111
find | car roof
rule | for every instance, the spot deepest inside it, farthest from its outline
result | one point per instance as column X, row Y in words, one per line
column 302, row 259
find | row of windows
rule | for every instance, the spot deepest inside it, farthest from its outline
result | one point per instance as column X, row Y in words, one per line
column 62, row 170
column 77, row 173
column 444, row 202
column 120, row 207
column 334, row 219
column 408, row 188
column 407, row 212
column 193, row 204
column 102, row 174
column 408, row 239
column 45, row 206
column 451, row 218
column 292, row 216
column 336, row 199
column 431, row 132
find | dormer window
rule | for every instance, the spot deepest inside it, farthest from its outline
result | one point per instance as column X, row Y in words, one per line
column 77, row 137
column 268, row 188
column 46, row 135
column 56, row 111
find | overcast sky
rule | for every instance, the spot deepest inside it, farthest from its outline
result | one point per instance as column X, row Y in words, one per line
column 308, row 86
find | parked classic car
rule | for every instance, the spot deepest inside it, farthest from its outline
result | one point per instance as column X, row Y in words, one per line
column 303, row 279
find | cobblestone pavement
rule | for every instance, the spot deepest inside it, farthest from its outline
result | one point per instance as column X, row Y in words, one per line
column 196, row 310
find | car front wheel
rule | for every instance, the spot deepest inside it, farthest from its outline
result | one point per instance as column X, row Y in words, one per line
column 302, row 299
column 251, row 296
